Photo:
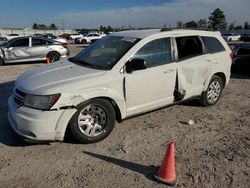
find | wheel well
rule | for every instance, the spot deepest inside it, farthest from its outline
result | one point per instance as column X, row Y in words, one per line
column 117, row 110
column 1, row 59
column 222, row 76
column 53, row 52
column 83, row 41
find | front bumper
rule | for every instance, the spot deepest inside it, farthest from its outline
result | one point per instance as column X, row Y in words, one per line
column 35, row 124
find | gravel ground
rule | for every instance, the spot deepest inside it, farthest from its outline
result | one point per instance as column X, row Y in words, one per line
column 213, row 152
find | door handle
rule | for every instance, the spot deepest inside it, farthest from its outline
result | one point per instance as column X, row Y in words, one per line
column 168, row 71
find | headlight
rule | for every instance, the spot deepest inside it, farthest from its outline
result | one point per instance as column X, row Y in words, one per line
column 42, row 102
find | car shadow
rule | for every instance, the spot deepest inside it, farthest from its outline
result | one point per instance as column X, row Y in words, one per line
column 192, row 102
column 147, row 171
column 8, row 136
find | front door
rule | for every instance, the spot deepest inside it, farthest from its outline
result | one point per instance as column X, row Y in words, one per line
column 152, row 87
column 18, row 50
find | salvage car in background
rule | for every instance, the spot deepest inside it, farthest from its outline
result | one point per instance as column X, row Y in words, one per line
column 65, row 36
column 74, row 36
column 55, row 38
column 245, row 37
column 91, row 37
column 231, row 37
column 11, row 36
column 241, row 57
column 31, row 49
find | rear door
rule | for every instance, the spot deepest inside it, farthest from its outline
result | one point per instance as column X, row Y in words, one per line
column 18, row 50
column 194, row 65
column 39, row 48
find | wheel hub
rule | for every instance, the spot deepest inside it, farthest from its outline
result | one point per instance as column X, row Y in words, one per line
column 92, row 120
column 213, row 92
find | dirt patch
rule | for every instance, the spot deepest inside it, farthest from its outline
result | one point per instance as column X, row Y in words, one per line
column 212, row 152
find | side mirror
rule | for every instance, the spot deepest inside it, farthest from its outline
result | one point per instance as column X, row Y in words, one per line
column 135, row 64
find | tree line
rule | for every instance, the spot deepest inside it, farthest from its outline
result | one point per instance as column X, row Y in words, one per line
column 44, row 27
column 216, row 21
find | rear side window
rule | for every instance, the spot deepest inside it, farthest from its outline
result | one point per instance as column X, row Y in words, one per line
column 188, row 47
column 38, row 42
column 213, row 45
column 156, row 52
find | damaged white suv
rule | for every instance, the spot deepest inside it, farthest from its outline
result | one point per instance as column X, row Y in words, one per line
column 121, row 75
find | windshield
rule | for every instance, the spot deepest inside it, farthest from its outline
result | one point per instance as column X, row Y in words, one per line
column 104, row 53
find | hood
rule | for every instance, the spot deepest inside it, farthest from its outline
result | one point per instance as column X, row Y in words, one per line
column 54, row 78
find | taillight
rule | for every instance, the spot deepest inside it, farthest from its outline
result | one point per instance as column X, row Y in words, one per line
column 65, row 45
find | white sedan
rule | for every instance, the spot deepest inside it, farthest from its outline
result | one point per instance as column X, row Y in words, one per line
column 74, row 36
column 231, row 37
column 91, row 37
column 11, row 36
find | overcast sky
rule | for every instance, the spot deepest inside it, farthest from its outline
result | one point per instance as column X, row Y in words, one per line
column 117, row 13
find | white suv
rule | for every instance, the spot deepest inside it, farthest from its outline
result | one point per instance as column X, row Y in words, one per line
column 121, row 75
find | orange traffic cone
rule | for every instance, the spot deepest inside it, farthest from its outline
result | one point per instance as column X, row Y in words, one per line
column 166, row 173
column 47, row 60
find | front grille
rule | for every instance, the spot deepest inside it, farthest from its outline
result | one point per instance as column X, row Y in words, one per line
column 19, row 97
column 20, row 93
column 18, row 101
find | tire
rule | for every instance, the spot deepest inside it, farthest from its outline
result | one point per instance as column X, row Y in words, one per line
column 83, row 41
column 213, row 92
column 1, row 61
column 53, row 56
column 94, row 121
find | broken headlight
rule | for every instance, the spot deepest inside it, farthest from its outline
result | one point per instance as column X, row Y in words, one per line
column 41, row 102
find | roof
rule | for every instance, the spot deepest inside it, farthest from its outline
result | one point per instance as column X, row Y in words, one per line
column 136, row 33
column 144, row 33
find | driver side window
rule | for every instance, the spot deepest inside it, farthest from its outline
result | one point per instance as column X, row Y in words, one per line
column 20, row 43
column 156, row 52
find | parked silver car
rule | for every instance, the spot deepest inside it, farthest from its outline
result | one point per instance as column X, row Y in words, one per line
column 30, row 48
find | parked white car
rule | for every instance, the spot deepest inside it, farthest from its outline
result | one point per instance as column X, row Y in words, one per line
column 119, row 76
column 55, row 38
column 74, row 36
column 231, row 37
column 91, row 37
column 11, row 36
column 28, row 48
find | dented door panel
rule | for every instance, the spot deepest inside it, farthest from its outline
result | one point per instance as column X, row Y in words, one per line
column 192, row 74
column 16, row 53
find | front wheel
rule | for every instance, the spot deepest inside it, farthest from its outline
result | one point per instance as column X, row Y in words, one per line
column 93, row 121
column 213, row 92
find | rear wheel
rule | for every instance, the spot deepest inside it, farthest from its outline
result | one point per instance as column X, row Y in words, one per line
column 213, row 92
column 53, row 56
column 1, row 61
column 83, row 41
column 93, row 121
